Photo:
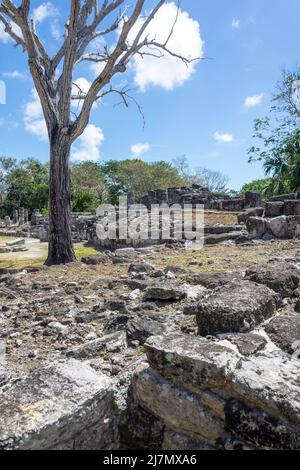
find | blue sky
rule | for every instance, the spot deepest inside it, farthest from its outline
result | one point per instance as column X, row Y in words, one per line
column 207, row 117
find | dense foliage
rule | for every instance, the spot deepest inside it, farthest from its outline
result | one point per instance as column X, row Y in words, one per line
column 280, row 136
column 26, row 183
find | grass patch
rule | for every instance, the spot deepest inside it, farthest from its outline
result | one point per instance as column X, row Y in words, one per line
column 80, row 250
column 7, row 239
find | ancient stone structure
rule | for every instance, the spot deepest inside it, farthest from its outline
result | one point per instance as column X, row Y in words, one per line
column 229, row 381
column 197, row 194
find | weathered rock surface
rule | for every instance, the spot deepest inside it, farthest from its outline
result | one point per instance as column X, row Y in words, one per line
column 164, row 293
column 222, row 237
column 56, row 405
column 247, row 343
column 4, row 375
column 274, row 208
column 178, row 441
column 252, row 212
column 260, row 428
column 211, row 280
column 256, row 226
column 236, row 307
column 94, row 260
column 114, row 341
column 285, row 332
column 194, row 362
column 178, row 408
column 285, row 226
column 141, row 328
column 281, row 277
column 291, row 207
column 271, row 381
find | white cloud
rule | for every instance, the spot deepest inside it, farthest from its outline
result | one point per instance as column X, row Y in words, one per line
column 34, row 119
column 55, row 30
column 44, row 11
column 168, row 72
column 223, row 137
column 236, row 23
column 80, row 86
column 15, row 74
column 88, row 148
column 139, row 149
column 252, row 101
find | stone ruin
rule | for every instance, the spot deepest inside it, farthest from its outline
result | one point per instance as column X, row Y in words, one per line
column 197, row 194
column 198, row 361
column 276, row 218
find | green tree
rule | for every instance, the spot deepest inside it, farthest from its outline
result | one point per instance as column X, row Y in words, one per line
column 138, row 177
column 26, row 185
column 89, row 188
column 280, row 137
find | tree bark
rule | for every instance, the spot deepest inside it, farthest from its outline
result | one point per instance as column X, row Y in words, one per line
column 61, row 249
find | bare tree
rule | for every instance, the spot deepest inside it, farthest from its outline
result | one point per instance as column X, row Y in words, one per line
column 53, row 80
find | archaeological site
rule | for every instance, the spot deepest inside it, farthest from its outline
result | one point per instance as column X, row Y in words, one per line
column 149, row 232
column 156, row 346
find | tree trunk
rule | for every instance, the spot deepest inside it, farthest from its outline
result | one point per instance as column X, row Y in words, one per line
column 61, row 249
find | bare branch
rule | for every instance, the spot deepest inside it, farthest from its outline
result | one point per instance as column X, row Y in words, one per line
column 9, row 30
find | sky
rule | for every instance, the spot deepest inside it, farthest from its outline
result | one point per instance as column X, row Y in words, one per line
column 204, row 111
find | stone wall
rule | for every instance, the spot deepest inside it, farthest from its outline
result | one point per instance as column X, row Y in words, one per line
column 197, row 194
column 211, row 397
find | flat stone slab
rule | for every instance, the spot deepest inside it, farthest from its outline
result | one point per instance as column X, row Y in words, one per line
column 235, row 307
column 281, row 277
column 53, row 405
column 284, row 331
column 194, row 362
column 211, row 239
column 270, row 381
column 95, row 347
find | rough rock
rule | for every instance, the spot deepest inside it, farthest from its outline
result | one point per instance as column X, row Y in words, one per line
column 141, row 328
column 178, row 441
column 274, row 208
column 141, row 268
column 252, row 212
column 175, row 406
column 219, row 229
column 211, row 280
column 291, row 207
column 94, row 260
column 285, row 333
column 260, row 428
column 271, row 381
column 115, row 341
column 285, row 226
column 256, row 226
column 247, row 343
column 57, row 405
column 222, row 237
column 281, row 277
column 194, row 362
column 164, row 293
column 236, row 307
column 4, row 375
